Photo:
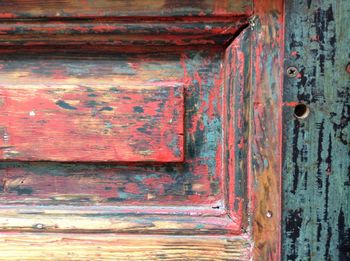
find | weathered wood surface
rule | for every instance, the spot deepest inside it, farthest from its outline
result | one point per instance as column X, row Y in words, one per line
column 236, row 125
column 224, row 213
column 109, row 184
column 122, row 8
column 112, row 33
column 30, row 246
column 199, row 179
column 45, row 119
column 168, row 220
column 228, row 183
column 316, row 215
column 266, row 129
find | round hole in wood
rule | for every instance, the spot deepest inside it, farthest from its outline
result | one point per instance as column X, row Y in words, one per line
column 301, row 111
column 348, row 68
column 269, row 214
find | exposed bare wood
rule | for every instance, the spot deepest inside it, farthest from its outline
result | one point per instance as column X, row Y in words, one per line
column 148, row 220
column 29, row 246
column 266, row 128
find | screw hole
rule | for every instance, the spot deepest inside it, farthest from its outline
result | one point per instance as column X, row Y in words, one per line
column 39, row 226
column 269, row 214
column 348, row 68
column 301, row 111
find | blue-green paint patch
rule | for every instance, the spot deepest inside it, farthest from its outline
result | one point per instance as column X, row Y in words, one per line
column 108, row 125
column 107, row 108
column 22, row 191
column 200, row 226
column 65, row 105
column 138, row 109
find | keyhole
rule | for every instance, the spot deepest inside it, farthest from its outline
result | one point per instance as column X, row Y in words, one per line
column 301, row 111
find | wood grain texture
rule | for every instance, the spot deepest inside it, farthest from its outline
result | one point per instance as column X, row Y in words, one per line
column 127, row 219
column 96, row 32
column 62, row 123
column 223, row 214
column 236, row 124
column 29, row 246
column 316, row 217
column 266, row 129
column 121, row 8
column 109, row 184
column 230, row 174
column 198, row 180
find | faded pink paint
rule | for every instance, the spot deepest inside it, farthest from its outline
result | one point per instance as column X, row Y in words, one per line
column 61, row 117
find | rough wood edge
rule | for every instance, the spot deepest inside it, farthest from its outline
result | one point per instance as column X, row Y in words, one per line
column 236, row 125
column 119, row 220
column 155, row 32
column 29, row 246
column 136, row 8
column 265, row 151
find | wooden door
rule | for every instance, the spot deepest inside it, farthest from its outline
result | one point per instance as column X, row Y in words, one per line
column 140, row 129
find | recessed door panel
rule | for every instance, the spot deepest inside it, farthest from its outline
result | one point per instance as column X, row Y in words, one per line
column 76, row 108
column 165, row 108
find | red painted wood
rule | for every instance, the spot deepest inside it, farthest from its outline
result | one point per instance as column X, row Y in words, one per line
column 120, row 33
column 198, row 180
column 63, row 123
column 65, row 67
column 122, row 8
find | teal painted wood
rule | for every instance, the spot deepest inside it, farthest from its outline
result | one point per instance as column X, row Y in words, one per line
column 316, row 165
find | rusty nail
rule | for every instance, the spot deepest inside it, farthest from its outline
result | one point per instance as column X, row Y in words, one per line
column 292, row 72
